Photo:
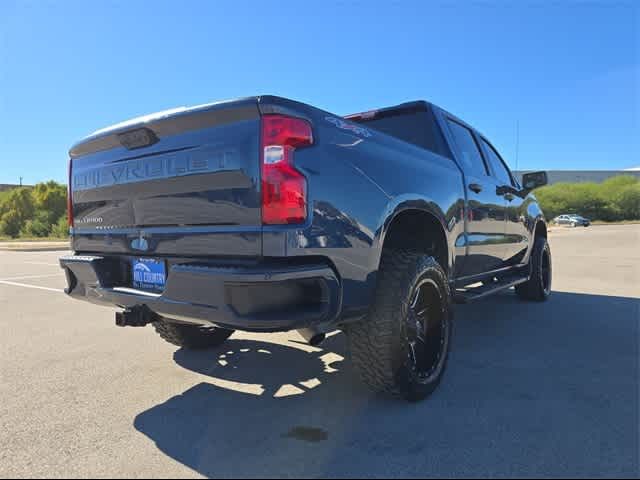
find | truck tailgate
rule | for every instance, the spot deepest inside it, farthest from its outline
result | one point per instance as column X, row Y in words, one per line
column 180, row 183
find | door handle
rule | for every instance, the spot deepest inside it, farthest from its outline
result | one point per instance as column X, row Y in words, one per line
column 475, row 187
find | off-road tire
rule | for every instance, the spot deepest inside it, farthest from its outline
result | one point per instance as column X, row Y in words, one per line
column 377, row 343
column 193, row 337
column 537, row 288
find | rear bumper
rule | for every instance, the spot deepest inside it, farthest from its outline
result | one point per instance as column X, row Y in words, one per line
column 263, row 298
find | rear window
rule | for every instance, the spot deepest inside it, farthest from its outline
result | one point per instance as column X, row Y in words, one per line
column 414, row 126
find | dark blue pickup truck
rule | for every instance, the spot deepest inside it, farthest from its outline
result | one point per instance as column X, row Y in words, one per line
column 264, row 214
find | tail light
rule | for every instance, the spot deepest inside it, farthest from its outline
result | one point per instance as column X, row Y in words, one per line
column 70, row 195
column 284, row 188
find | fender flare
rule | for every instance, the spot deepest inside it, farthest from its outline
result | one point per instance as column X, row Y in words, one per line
column 403, row 203
column 539, row 219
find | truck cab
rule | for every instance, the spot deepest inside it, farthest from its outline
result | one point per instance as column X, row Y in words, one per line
column 499, row 214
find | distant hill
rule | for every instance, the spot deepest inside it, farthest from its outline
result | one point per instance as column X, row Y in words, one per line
column 7, row 186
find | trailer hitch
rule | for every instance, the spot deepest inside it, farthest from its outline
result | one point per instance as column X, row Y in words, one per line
column 135, row 317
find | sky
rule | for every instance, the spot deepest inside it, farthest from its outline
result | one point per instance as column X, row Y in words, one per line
column 566, row 73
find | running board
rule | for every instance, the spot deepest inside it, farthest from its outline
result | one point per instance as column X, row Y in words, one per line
column 476, row 293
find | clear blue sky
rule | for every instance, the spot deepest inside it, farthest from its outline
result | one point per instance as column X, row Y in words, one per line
column 569, row 72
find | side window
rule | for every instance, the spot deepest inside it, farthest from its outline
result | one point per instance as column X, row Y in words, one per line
column 498, row 166
column 469, row 152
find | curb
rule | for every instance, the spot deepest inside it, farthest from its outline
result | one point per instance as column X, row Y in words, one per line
column 35, row 247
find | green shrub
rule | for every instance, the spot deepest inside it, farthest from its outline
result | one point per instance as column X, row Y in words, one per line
column 20, row 201
column 50, row 197
column 11, row 223
column 34, row 212
column 617, row 198
column 16, row 208
column 38, row 226
column 61, row 228
column 628, row 201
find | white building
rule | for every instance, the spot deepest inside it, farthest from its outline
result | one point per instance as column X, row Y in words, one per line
column 573, row 176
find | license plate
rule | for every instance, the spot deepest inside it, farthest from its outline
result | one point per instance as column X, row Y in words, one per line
column 148, row 273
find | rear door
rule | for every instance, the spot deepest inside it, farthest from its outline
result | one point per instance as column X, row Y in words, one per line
column 180, row 183
column 485, row 213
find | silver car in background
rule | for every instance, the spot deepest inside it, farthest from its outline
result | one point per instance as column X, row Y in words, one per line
column 572, row 220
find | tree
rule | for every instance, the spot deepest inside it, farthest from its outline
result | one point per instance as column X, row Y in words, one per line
column 617, row 198
column 50, row 197
column 61, row 228
column 11, row 223
column 628, row 200
column 38, row 226
column 16, row 208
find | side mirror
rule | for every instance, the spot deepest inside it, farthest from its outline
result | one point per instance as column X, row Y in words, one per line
column 534, row 180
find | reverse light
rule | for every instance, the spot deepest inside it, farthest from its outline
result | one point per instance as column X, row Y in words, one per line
column 70, row 195
column 284, row 188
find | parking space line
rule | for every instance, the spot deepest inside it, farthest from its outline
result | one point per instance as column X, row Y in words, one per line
column 27, row 277
column 36, row 287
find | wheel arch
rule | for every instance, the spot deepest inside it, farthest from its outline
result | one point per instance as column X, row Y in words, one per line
column 416, row 223
column 540, row 229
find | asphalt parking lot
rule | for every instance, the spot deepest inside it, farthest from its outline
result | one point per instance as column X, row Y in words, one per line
column 531, row 390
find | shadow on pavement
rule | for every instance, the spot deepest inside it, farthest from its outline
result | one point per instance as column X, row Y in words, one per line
column 531, row 390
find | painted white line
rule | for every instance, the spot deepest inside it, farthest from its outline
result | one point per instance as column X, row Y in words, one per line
column 36, row 287
column 27, row 277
